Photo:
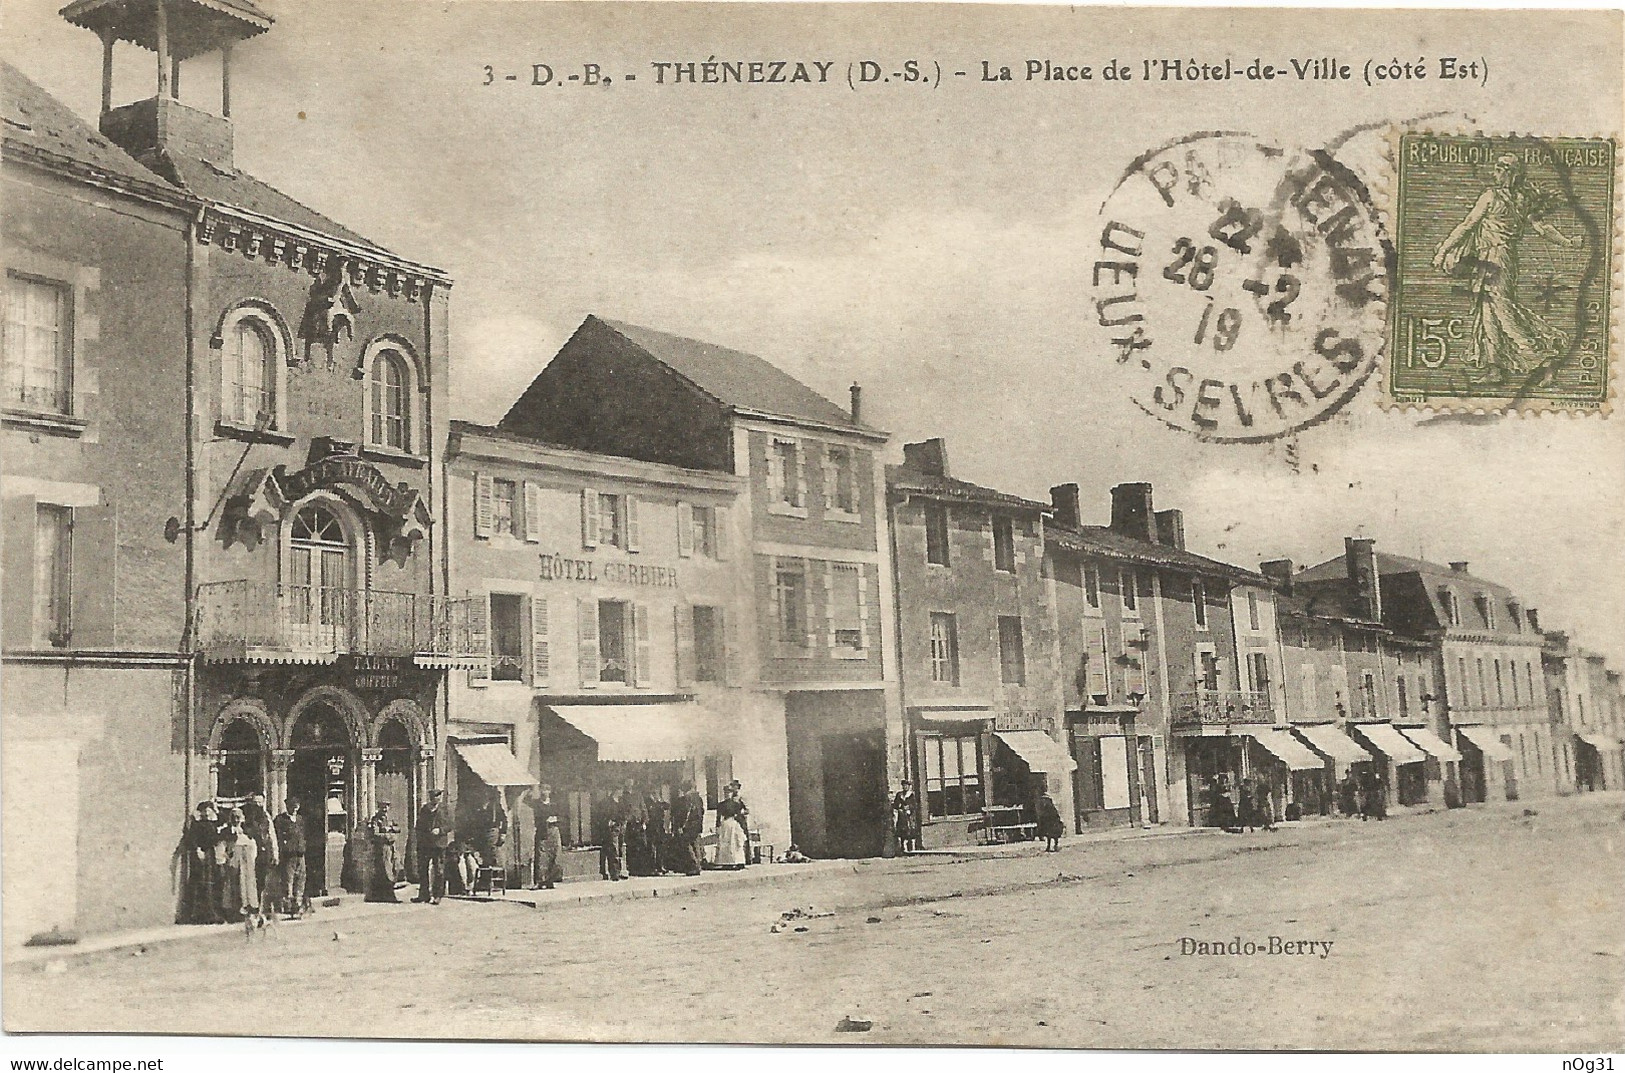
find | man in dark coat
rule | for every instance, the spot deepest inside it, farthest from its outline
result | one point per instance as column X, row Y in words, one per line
column 434, row 835
column 687, row 824
column 257, row 824
column 292, row 841
column 549, row 844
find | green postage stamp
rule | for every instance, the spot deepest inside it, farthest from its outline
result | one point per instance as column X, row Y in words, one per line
column 1503, row 290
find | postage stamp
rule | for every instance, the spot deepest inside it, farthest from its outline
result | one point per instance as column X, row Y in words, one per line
column 1241, row 287
column 1501, row 300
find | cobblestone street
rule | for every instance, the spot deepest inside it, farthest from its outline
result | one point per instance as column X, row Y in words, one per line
column 1475, row 930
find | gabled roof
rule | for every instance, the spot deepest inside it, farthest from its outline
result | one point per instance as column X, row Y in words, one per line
column 43, row 130
column 743, row 382
column 902, row 479
column 1108, row 543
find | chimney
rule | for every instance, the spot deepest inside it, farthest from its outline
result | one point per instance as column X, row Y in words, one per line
column 1534, row 618
column 1460, row 566
column 1064, row 500
column 1131, row 512
column 857, row 403
column 929, row 457
column 1360, row 559
column 1171, row 528
column 1279, row 571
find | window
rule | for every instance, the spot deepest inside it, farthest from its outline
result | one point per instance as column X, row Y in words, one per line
column 1004, row 545
column 611, row 532
column 53, row 575
column 944, row 648
column 389, row 402
column 1252, row 610
column 1258, row 671
column 787, row 482
column 1208, row 670
column 38, row 354
column 507, row 637
column 1512, row 672
column 841, row 489
column 614, row 662
column 249, row 378
column 1529, row 679
column 847, row 608
column 1452, row 611
column 1500, row 688
column 936, row 534
column 703, row 531
column 1515, row 613
column 1483, row 690
column 953, row 775
column 504, row 497
column 707, row 644
column 1012, row 656
column 1368, row 695
column 320, row 574
column 1125, row 585
column 1486, row 608
column 790, row 604
column 1091, row 586
column 1461, row 679
column 1199, row 602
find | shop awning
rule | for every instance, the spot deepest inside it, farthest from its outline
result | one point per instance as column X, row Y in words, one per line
column 1327, row 740
column 494, row 764
column 1289, row 750
column 1484, row 740
column 635, row 733
column 1431, row 744
column 952, row 713
column 1040, row 751
column 1600, row 742
column 1391, row 743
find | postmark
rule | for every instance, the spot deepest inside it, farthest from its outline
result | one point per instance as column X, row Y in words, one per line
column 1241, row 287
column 1502, row 299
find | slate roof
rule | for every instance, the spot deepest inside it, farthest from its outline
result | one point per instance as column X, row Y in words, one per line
column 39, row 126
column 738, row 380
column 232, row 188
column 912, row 481
column 1410, row 594
column 1103, row 541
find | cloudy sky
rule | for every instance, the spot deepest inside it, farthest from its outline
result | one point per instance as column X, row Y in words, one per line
column 930, row 243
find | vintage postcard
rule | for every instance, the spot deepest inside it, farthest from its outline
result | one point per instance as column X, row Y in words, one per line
column 927, row 524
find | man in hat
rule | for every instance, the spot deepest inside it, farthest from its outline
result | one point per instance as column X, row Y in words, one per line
column 549, row 842
column 291, row 841
column 434, row 835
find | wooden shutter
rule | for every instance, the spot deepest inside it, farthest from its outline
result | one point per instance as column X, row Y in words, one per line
column 533, row 513
column 642, row 647
column 540, row 661
column 93, row 577
column 801, row 477
column 806, row 623
column 683, row 632
column 719, row 529
column 863, row 606
column 484, row 494
column 589, row 526
column 685, row 529
column 20, row 519
column 729, row 632
column 479, row 633
column 829, row 607
column 1099, row 682
column 634, row 527
column 587, row 642
column 775, row 473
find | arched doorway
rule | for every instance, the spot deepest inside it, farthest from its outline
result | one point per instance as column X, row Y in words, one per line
column 396, row 780
column 322, row 778
column 242, row 759
column 320, row 577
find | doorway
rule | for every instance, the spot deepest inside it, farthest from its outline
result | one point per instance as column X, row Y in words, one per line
column 321, row 777
column 854, row 794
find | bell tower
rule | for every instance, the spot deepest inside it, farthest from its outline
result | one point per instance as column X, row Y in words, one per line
column 174, row 30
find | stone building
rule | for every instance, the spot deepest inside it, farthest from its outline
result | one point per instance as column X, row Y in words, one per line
column 811, row 522
column 221, row 418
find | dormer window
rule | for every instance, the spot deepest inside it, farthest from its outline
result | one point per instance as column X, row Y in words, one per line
column 1486, row 609
column 1452, row 610
column 1515, row 613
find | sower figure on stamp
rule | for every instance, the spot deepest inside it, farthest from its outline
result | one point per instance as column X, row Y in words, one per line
column 1509, row 338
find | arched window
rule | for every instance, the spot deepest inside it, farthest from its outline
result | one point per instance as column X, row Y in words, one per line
column 390, row 402
column 321, row 566
column 248, row 375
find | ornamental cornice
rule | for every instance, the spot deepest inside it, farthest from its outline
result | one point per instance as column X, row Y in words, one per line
column 259, row 238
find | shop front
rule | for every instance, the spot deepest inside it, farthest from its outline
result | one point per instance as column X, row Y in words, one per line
column 488, row 785
column 1295, row 775
column 1443, row 764
column 1400, row 768
column 1115, row 782
column 1346, row 768
column 952, row 751
column 1486, row 764
column 1597, row 761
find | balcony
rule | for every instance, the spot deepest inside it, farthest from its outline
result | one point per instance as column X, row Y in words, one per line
column 248, row 622
column 1217, row 711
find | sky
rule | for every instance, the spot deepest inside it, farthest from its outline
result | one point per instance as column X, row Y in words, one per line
column 932, row 244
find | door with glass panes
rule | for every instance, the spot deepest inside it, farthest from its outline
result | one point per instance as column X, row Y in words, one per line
column 318, row 591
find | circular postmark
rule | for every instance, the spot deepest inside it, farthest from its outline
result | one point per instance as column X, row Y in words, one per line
column 1241, row 287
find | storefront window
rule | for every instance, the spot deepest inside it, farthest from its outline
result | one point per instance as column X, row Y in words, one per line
column 953, row 775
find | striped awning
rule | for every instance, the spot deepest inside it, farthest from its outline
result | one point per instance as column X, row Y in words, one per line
column 1431, row 744
column 1289, row 750
column 1390, row 743
column 1333, row 744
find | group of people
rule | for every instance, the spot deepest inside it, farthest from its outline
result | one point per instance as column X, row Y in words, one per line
column 1237, row 805
column 1363, row 794
column 239, row 863
column 645, row 835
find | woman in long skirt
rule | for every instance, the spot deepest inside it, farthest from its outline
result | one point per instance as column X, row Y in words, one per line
column 240, row 892
column 381, row 831
column 731, row 837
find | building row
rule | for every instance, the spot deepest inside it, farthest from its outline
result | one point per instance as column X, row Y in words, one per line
column 247, row 547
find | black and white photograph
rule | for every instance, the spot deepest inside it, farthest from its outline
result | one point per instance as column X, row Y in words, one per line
column 920, row 524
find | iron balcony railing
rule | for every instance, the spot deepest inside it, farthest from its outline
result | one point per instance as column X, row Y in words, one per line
column 244, row 619
column 1222, row 707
